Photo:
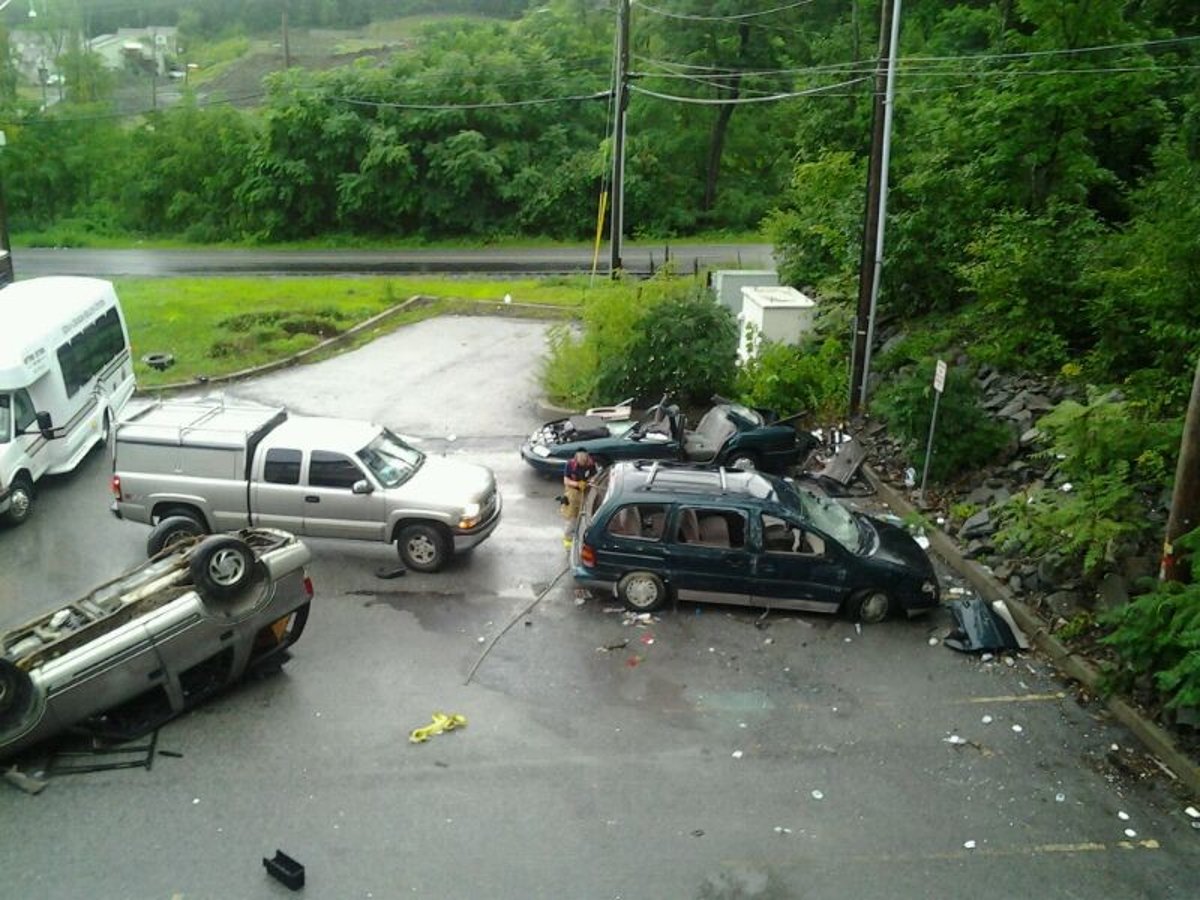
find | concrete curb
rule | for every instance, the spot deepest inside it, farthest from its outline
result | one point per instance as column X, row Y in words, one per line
column 1155, row 738
column 328, row 343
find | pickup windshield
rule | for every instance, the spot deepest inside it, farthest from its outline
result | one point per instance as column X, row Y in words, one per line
column 391, row 460
column 5, row 418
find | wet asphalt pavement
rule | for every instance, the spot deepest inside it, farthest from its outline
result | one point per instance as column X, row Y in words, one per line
column 702, row 755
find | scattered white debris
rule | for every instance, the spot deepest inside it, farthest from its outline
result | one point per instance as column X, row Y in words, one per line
column 1130, row 833
column 954, row 739
column 452, row 438
column 769, row 640
column 922, row 541
column 480, row 640
column 986, row 720
column 741, row 724
column 933, row 642
column 969, row 845
column 1067, row 487
column 849, row 639
column 818, row 795
column 195, row 800
column 780, row 829
column 712, row 649
column 1060, row 797
column 986, row 657
column 737, row 754
column 1018, row 729
column 1123, row 816
column 1114, row 747
column 508, row 298
column 858, row 627
column 1193, row 812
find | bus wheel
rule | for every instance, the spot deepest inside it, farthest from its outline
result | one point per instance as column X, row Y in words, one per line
column 20, row 500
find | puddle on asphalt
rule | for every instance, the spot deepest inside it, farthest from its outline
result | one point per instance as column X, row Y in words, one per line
column 441, row 611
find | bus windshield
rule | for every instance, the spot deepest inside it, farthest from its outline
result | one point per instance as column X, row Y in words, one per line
column 391, row 460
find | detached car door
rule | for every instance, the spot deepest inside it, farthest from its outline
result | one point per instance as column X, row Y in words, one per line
column 331, row 506
column 797, row 567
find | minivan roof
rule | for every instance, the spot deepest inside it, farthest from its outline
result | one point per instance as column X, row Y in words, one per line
column 668, row 478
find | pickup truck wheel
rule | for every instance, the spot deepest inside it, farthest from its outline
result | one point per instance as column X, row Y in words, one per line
column 172, row 532
column 20, row 500
column 423, row 547
column 221, row 567
column 16, row 695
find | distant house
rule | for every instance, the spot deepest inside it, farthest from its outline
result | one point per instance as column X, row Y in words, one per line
column 150, row 49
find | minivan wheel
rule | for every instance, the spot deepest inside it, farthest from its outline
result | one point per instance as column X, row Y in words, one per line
column 172, row 531
column 20, row 500
column 221, row 567
column 16, row 695
column 422, row 547
column 642, row 591
column 870, row 607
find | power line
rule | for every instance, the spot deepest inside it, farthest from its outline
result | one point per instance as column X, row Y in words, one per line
column 737, row 17
column 704, row 101
column 499, row 104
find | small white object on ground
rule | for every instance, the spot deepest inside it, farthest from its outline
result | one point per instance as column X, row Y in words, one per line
column 818, row 795
column 969, row 845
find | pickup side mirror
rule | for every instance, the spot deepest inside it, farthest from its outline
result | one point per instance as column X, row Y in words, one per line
column 45, row 425
column 362, row 486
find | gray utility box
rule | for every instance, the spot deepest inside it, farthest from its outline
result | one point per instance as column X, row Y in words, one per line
column 727, row 285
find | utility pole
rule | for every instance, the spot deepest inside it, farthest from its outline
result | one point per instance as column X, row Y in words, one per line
column 1185, row 498
column 871, row 216
column 622, row 102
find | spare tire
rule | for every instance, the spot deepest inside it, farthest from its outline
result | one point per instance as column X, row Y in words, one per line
column 221, row 567
column 16, row 695
column 172, row 531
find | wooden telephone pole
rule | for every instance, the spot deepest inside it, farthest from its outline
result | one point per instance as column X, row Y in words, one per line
column 1185, row 499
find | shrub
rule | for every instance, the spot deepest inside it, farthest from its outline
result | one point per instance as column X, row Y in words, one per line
column 966, row 436
column 1112, row 457
column 789, row 379
column 1158, row 634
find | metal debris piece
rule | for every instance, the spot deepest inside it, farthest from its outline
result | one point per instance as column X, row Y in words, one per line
column 27, row 783
column 980, row 627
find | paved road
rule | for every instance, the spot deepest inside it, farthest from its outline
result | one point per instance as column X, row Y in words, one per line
column 637, row 258
column 683, row 764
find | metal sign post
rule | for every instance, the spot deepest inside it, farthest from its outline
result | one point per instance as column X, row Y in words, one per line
column 939, row 385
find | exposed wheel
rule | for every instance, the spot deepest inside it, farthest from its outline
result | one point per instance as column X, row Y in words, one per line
column 743, row 461
column 870, row 607
column 642, row 591
column 16, row 695
column 424, row 548
column 172, row 531
column 221, row 567
column 20, row 500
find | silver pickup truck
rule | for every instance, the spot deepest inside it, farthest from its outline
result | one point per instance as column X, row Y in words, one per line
column 155, row 641
column 191, row 467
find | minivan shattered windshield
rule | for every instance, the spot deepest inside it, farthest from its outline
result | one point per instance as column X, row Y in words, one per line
column 391, row 460
column 849, row 530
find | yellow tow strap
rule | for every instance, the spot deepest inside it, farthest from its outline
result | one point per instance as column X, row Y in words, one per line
column 441, row 722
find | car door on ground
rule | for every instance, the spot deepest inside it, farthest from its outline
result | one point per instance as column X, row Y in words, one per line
column 798, row 567
column 710, row 556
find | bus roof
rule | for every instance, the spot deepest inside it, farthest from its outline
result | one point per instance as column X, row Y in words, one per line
column 38, row 313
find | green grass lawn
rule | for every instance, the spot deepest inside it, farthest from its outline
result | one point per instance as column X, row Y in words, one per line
column 214, row 326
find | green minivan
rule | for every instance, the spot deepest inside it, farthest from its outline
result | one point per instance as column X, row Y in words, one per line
column 650, row 531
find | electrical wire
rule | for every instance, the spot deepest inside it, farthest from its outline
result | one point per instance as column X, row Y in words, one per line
column 499, row 104
column 705, row 101
column 737, row 17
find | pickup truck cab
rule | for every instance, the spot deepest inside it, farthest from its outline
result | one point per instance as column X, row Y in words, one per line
column 192, row 467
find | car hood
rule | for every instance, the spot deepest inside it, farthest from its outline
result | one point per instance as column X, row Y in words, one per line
column 898, row 550
column 447, row 482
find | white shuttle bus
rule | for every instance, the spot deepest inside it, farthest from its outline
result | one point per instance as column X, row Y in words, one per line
column 65, row 374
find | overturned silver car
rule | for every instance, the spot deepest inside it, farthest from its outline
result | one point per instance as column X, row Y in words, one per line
column 155, row 641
